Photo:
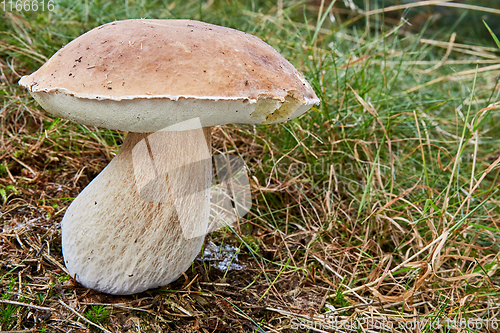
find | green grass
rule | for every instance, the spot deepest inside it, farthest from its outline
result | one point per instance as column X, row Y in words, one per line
column 7, row 316
column 98, row 314
column 389, row 186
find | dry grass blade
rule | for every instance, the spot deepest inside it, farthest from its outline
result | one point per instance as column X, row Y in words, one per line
column 480, row 51
column 407, row 261
column 453, row 76
column 446, row 55
column 432, row 3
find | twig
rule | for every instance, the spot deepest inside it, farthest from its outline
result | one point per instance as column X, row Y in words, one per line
column 83, row 318
column 328, row 267
column 43, row 308
column 25, row 165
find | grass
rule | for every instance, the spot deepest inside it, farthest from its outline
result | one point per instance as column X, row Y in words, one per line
column 98, row 314
column 7, row 316
column 379, row 204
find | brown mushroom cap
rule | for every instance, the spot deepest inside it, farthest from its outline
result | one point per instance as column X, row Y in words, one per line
column 125, row 63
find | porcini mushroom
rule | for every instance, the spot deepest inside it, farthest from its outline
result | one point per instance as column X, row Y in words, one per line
column 176, row 78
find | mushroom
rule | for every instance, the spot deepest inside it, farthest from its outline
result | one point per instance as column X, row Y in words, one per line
column 141, row 222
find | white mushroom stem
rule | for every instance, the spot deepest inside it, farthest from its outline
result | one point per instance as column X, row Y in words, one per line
column 141, row 222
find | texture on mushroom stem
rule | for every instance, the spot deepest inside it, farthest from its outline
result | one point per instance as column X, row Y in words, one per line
column 135, row 226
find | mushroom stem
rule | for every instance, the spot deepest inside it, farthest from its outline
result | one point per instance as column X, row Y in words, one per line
column 141, row 222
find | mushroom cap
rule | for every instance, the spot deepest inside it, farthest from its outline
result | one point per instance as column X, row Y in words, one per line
column 143, row 75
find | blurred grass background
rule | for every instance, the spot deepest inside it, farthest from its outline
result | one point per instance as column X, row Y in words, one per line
column 382, row 202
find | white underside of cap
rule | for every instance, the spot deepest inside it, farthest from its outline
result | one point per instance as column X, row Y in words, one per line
column 152, row 114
